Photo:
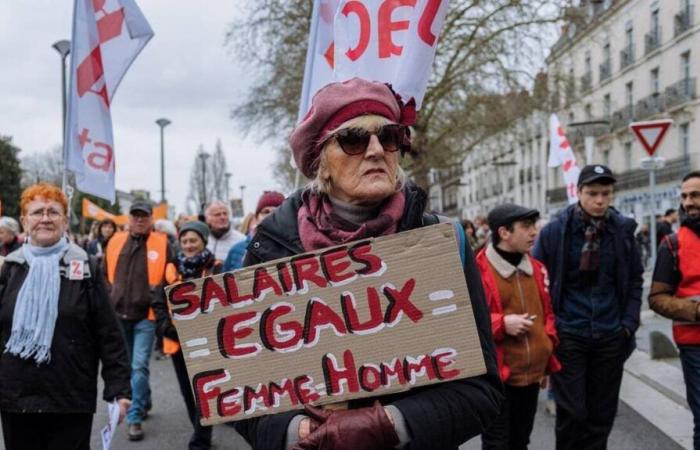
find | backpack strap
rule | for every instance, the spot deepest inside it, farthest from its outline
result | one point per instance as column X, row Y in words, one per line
column 671, row 241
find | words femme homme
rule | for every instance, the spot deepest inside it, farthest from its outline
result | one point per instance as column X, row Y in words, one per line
column 395, row 311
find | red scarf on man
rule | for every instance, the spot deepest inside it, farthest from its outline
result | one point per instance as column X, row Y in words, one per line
column 319, row 227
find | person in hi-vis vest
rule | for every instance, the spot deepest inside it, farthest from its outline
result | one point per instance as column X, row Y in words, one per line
column 194, row 260
column 675, row 290
column 135, row 264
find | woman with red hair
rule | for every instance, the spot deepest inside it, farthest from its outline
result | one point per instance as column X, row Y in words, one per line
column 56, row 327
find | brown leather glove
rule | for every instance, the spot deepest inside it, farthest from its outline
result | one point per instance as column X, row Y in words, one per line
column 352, row 429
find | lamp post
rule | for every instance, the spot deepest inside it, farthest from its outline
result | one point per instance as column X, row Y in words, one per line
column 204, row 156
column 162, row 123
column 228, row 181
column 242, row 190
column 63, row 48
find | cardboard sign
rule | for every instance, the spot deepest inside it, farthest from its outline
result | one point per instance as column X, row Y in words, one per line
column 370, row 318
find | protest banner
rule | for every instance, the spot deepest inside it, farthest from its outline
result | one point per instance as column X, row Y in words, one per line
column 369, row 318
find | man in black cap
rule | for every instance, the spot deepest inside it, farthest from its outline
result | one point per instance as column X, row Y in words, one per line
column 596, row 287
column 522, row 322
column 135, row 265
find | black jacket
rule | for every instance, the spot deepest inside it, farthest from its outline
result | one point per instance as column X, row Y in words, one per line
column 86, row 333
column 440, row 416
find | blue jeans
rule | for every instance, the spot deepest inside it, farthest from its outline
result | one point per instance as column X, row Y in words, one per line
column 690, row 360
column 140, row 336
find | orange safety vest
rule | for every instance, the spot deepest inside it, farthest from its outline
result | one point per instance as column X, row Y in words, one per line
column 156, row 254
column 688, row 333
column 171, row 346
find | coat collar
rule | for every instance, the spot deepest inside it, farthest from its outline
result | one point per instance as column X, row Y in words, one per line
column 503, row 267
column 74, row 253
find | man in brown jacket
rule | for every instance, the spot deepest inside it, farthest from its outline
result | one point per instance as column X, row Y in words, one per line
column 135, row 264
column 522, row 322
column 675, row 290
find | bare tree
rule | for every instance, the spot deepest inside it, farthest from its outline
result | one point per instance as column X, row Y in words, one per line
column 207, row 178
column 43, row 166
column 486, row 61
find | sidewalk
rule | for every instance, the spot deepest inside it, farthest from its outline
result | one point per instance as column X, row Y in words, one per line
column 655, row 388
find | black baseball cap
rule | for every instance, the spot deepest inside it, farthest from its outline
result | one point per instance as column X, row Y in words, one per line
column 506, row 214
column 141, row 206
column 596, row 173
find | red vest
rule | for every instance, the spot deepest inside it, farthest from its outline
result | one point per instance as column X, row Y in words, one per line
column 689, row 267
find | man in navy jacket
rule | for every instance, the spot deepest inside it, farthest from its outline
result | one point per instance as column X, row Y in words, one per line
column 596, row 288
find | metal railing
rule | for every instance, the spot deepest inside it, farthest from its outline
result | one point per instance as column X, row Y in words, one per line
column 652, row 40
column 627, row 56
column 683, row 21
column 681, row 92
column 649, row 106
column 605, row 70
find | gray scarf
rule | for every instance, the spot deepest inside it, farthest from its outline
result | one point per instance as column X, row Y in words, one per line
column 36, row 307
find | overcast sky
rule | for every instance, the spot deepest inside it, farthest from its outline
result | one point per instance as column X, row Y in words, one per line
column 184, row 74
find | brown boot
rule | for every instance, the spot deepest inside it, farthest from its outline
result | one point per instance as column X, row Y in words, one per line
column 135, row 432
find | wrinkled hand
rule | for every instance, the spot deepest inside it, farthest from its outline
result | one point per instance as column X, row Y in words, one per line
column 517, row 324
column 364, row 428
column 124, row 404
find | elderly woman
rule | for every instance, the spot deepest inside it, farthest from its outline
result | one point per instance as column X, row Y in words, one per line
column 56, row 327
column 194, row 260
column 9, row 235
column 349, row 145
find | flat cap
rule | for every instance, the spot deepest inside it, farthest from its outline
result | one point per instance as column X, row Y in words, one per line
column 506, row 214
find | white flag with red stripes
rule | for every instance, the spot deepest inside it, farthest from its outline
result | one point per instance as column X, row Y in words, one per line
column 107, row 37
column 561, row 154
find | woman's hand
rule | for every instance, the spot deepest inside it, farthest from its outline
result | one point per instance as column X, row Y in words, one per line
column 365, row 428
column 124, row 404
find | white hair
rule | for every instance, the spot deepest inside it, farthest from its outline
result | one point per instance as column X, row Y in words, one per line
column 213, row 204
column 9, row 224
column 321, row 185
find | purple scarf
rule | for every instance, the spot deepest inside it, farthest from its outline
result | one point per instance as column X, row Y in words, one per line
column 319, row 227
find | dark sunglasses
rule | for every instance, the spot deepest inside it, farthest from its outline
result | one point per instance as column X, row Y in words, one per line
column 354, row 141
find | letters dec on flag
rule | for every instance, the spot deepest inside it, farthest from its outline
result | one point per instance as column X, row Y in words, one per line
column 388, row 41
column 561, row 154
column 107, row 37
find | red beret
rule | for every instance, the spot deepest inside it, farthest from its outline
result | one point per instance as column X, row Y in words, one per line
column 269, row 198
column 337, row 103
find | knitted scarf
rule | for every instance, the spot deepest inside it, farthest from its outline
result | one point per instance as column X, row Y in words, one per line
column 36, row 308
column 192, row 267
column 593, row 232
column 319, row 227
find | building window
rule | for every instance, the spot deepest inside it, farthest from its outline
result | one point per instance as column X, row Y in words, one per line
column 606, row 52
column 589, row 112
column 654, row 78
column 628, row 156
column 685, row 65
column 607, row 106
column 629, row 94
column 684, row 135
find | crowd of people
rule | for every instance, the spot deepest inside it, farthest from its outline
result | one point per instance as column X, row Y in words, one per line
column 556, row 302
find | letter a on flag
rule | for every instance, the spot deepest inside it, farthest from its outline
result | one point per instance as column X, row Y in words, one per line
column 107, row 37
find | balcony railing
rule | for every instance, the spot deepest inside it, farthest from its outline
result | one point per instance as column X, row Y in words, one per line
column 652, row 40
column 587, row 82
column 626, row 56
column 683, row 21
column 680, row 92
column 622, row 117
column 605, row 70
column 649, row 106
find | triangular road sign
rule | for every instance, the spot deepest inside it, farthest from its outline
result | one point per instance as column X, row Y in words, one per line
column 651, row 133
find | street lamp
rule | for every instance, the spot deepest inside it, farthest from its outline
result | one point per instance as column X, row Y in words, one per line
column 162, row 123
column 204, row 156
column 228, row 178
column 242, row 190
column 63, row 48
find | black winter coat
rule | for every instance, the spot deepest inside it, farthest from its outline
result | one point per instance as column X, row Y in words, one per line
column 440, row 416
column 86, row 333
